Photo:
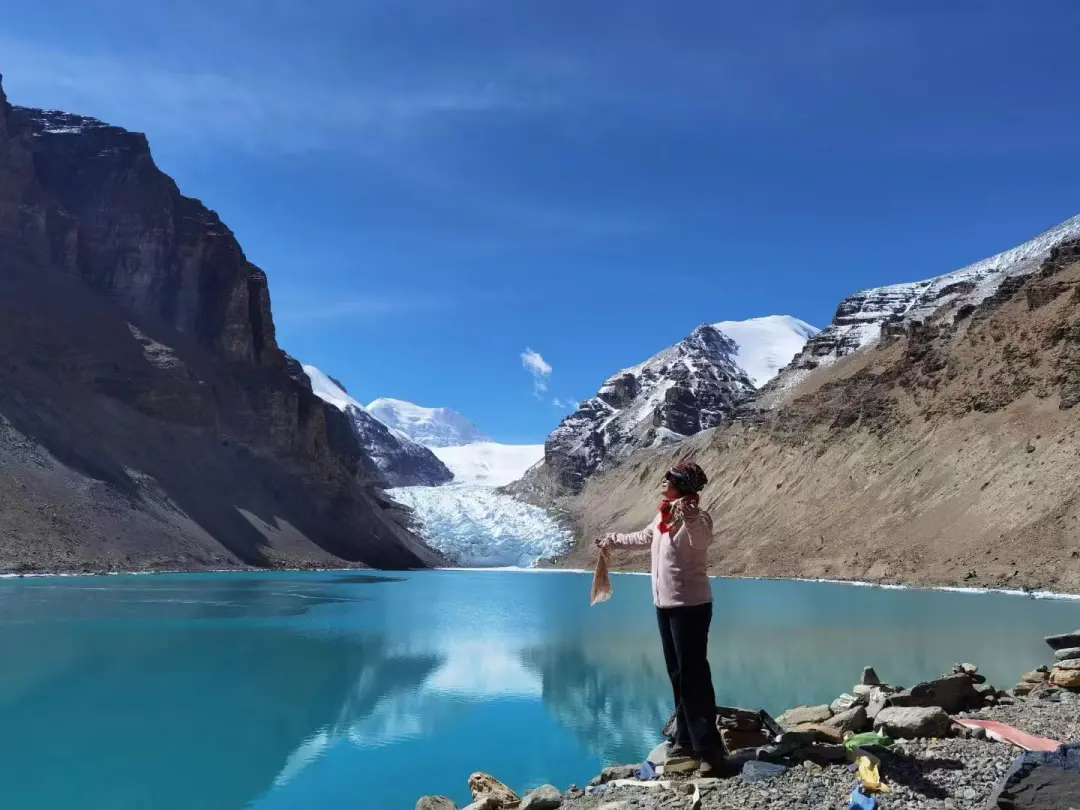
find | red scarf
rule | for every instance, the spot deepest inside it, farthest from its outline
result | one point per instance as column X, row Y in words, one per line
column 667, row 508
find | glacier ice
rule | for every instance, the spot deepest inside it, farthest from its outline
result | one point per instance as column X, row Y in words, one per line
column 476, row 526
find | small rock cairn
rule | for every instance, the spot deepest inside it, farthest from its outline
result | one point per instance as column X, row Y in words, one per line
column 1047, row 681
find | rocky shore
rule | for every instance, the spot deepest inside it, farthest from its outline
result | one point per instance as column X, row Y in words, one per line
column 937, row 745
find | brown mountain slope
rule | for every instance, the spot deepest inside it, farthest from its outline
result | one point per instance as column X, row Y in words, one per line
column 949, row 454
column 148, row 417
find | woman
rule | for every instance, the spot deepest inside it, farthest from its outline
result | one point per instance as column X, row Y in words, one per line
column 680, row 536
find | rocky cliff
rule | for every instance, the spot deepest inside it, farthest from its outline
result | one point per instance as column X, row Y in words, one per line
column 700, row 382
column 946, row 455
column 148, row 417
column 691, row 386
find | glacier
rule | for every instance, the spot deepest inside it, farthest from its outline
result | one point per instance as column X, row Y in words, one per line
column 489, row 463
column 478, row 527
column 467, row 520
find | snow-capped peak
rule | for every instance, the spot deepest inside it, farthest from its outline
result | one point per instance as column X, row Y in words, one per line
column 766, row 345
column 328, row 390
column 860, row 317
column 431, row 427
column 398, row 459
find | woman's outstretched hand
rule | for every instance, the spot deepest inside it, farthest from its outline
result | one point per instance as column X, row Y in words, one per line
column 686, row 508
column 607, row 541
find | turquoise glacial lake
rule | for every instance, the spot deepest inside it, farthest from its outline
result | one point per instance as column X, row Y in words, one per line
column 285, row 691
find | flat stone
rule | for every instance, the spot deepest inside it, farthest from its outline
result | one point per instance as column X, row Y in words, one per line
column 881, row 699
column 1063, row 640
column 862, row 689
column 913, row 722
column 613, row 773
column 822, row 732
column 953, row 693
column 1068, row 663
column 757, row 771
column 845, row 702
column 736, row 719
column 854, row 720
column 545, row 797
column 1067, row 654
column 804, row 714
column 737, row 740
column 1024, row 688
column 435, row 803
column 486, row 803
column 1062, row 676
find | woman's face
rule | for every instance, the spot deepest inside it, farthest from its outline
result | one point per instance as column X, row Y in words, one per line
column 668, row 491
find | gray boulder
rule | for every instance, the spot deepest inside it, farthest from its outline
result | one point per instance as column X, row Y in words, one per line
column 913, row 722
column 803, row 715
column 854, row 720
column 1063, row 640
column 545, row 797
column 1067, row 653
column 758, row 771
column 953, row 693
column 435, row 803
column 869, row 677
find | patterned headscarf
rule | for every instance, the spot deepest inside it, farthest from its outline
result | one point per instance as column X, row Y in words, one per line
column 687, row 477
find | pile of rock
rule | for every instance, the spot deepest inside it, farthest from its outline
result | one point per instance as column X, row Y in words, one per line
column 489, row 793
column 1064, row 674
column 925, row 710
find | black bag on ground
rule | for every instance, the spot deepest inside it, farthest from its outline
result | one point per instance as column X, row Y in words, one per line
column 1040, row 780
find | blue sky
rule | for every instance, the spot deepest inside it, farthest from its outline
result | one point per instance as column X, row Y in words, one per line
column 436, row 186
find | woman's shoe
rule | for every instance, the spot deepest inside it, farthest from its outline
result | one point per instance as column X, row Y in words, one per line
column 714, row 764
column 680, row 759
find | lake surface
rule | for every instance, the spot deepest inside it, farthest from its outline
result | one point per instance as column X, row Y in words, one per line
column 346, row 690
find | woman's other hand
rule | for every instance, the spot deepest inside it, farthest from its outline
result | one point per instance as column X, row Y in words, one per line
column 607, row 541
column 686, row 508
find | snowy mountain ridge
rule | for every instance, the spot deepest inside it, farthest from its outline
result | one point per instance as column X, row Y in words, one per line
column 860, row 318
column 694, row 385
column 765, row 345
column 431, row 427
column 398, row 460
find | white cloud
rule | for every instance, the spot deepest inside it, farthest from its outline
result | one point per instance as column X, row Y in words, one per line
column 565, row 404
column 538, row 367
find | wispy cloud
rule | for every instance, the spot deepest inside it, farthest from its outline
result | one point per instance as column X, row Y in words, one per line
column 538, row 367
column 255, row 111
column 565, row 404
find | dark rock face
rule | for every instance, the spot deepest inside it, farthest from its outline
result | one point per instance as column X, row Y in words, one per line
column 145, row 406
column 689, row 387
column 400, row 461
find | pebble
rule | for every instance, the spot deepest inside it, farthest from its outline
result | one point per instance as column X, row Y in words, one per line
column 943, row 774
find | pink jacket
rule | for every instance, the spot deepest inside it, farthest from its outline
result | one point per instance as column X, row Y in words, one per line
column 680, row 565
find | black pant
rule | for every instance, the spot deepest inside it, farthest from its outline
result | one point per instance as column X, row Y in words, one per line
column 684, row 632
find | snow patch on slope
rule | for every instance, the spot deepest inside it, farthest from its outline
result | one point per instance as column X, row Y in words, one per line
column 766, row 345
column 328, row 390
column 859, row 318
column 475, row 526
column 489, row 463
column 431, row 427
